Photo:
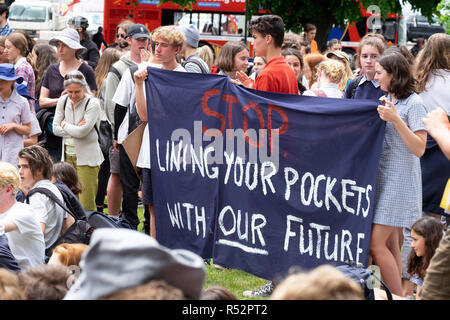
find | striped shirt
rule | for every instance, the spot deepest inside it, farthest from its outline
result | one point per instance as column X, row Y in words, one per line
column 6, row 30
column 23, row 69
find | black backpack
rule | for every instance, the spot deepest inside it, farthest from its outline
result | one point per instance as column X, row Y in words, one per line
column 44, row 117
column 79, row 232
column 364, row 278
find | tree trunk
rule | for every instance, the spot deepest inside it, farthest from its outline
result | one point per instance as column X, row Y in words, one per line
column 323, row 29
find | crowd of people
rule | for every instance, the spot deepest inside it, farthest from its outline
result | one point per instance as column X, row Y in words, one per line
column 54, row 96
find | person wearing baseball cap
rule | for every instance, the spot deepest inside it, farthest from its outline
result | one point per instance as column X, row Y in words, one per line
column 192, row 63
column 138, row 31
column 119, row 96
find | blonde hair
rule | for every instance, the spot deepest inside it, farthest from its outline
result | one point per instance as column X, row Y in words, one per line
column 9, row 286
column 9, row 176
column 207, row 55
column 171, row 34
column 69, row 254
column 333, row 69
column 323, row 283
column 434, row 55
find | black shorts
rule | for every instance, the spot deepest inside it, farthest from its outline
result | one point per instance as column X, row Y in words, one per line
column 147, row 191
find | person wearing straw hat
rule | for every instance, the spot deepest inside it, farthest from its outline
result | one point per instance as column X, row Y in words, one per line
column 69, row 56
column 15, row 115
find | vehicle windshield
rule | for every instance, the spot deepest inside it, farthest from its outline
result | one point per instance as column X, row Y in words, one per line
column 27, row 13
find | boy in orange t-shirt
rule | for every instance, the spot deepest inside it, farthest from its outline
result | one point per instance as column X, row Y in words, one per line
column 277, row 76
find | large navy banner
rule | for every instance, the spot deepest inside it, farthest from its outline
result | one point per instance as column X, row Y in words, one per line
column 261, row 181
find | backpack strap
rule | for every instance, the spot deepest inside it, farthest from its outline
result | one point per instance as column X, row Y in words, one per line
column 133, row 68
column 52, row 196
column 355, row 84
column 386, row 289
column 116, row 72
column 193, row 60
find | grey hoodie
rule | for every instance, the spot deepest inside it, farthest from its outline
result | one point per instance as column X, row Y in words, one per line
column 111, row 83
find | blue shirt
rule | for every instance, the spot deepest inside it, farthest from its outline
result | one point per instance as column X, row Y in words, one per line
column 366, row 89
column 7, row 260
column 6, row 30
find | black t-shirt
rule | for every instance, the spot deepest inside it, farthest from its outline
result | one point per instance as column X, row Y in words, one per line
column 54, row 81
column 91, row 56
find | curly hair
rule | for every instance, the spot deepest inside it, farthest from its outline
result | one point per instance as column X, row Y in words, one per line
column 435, row 55
column 403, row 83
column 334, row 70
column 9, row 286
column 44, row 282
column 432, row 230
column 269, row 25
column 171, row 34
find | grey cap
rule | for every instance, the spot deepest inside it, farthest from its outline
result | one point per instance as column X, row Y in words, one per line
column 70, row 38
column 138, row 31
column 338, row 53
column 192, row 35
column 118, row 259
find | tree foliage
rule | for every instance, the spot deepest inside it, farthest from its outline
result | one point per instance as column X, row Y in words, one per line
column 444, row 10
column 326, row 13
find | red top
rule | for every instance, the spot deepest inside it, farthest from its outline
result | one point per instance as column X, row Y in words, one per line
column 277, row 76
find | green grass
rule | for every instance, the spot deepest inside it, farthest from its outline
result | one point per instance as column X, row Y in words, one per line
column 236, row 281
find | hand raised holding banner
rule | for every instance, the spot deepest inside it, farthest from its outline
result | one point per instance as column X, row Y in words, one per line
column 387, row 111
column 245, row 80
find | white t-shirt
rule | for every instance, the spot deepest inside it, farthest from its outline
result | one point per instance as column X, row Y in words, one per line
column 437, row 91
column 47, row 211
column 26, row 242
column 330, row 89
column 143, row 160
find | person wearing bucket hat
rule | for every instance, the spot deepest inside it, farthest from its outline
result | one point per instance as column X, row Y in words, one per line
column 133, row 259
column 192, row 63
column 69, row 55
column 15, row 115
column 92, row 55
